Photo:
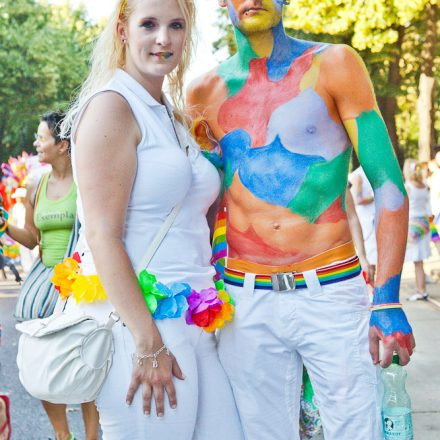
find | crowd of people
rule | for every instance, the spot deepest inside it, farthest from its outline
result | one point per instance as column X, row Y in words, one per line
column 204, row 353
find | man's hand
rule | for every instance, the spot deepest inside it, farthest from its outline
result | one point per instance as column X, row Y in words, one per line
column 392, row 328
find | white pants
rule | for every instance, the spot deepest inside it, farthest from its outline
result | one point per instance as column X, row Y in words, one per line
column 324, row 327
column 205, row 406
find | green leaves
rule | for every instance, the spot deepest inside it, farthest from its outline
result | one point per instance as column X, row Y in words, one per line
column 43, row 58
column 373, row 23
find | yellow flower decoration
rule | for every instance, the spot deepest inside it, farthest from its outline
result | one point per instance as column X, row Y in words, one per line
column 88, row 288
column 64, row 275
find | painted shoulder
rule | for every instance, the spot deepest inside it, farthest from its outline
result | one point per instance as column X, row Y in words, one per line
column 342, row 56
column 200, row 89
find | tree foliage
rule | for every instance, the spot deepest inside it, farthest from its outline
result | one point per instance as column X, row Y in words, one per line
column 389, row 35
column 43, row 59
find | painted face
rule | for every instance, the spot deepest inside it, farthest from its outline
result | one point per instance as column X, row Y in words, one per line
column 45, row 144
column 156, row 35
column 252, row 16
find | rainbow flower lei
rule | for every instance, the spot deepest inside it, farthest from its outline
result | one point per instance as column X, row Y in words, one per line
column 209, row 309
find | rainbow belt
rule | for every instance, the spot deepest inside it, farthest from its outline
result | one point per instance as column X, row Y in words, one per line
column 326, row 275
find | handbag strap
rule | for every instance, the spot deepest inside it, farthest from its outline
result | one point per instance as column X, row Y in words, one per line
column 157, row 240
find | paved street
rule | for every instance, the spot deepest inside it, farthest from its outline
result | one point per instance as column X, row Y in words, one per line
column 29, row 421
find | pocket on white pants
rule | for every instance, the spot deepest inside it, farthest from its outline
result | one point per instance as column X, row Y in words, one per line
column 352, row 292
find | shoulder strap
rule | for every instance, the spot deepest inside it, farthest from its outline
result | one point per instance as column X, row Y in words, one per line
column 145, row 261
column 154, row 246
column 37, row 192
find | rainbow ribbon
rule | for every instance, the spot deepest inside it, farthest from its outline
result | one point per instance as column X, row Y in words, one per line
column 219, row 245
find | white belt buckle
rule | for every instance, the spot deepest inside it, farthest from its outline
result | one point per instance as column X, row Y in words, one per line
column 284, row 281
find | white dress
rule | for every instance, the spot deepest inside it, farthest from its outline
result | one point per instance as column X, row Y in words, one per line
column 164, row 177
column 366, row 215
column 419, row 237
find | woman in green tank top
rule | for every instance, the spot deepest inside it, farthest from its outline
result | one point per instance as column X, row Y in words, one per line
column 49, row 224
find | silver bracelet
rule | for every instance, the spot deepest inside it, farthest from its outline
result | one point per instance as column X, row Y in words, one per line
column 139, row 358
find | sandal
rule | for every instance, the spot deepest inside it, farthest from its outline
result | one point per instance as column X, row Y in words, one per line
column 7, row 424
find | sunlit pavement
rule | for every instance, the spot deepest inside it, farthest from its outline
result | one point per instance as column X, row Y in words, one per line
column 29, row 421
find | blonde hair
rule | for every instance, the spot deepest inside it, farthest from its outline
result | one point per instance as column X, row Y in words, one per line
column 412, row 170
column 109, row 54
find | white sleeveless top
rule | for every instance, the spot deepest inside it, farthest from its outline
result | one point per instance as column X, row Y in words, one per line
column 165, row 176
column 366, row 213
column 419, row 201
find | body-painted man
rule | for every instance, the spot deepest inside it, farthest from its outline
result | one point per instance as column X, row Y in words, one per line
column 283, row 116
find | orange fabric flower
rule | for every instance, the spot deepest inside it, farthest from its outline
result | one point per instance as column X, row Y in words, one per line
column 64, row 275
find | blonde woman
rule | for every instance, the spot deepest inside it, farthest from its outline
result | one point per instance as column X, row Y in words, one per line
column 419, row 236
column 166, row 381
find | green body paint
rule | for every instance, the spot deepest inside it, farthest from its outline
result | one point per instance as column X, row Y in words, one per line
column 323, row 184
column 235, row 70
column 376, row 153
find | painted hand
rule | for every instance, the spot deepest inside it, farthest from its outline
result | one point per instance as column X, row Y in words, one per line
column 392, row 328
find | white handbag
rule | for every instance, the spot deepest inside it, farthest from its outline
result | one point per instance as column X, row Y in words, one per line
column 65, row 358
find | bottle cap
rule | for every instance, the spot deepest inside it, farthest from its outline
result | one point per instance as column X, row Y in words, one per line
column 395, row 359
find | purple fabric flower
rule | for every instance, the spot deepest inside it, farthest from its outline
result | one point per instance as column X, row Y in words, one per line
column 201, row 301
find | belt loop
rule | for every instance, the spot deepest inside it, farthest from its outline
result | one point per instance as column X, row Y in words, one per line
column 312, row 281
column 249, row 283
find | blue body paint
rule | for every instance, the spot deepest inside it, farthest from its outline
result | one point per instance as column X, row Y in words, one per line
column 286, row 51
column 259, row 168
column 389, row 321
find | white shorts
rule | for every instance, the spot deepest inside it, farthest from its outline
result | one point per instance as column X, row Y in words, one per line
column 324, row 327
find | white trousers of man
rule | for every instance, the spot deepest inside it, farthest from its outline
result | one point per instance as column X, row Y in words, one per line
column 274, row 333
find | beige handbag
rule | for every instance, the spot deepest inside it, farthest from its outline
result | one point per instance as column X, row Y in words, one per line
column 65, row 358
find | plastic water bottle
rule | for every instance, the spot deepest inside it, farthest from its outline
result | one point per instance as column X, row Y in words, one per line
column 396, row 406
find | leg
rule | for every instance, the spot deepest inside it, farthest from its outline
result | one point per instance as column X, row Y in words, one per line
column 265, row 375
column 5, row 418
column 57, row 416
column 14, row 270
column 91, row 420
column 217, row 415
column 420, row 277
column 335, row 350
column 2, row 264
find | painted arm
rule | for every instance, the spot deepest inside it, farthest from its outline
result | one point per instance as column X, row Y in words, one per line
column 197, row 94
column 106, row 165
column 350, row 86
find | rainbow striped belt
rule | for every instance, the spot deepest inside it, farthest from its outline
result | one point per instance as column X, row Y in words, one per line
column 333, row 273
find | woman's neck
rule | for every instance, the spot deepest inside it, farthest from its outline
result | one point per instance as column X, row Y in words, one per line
column 62, row 169
column 153, row 85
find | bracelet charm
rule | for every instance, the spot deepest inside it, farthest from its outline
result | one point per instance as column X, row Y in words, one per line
column 139, row 358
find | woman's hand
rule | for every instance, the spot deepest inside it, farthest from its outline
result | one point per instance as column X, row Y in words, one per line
column 368, row 269
column 154, row 380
